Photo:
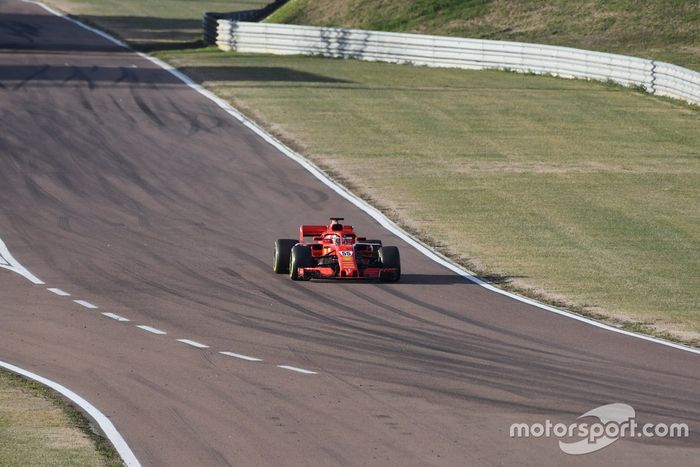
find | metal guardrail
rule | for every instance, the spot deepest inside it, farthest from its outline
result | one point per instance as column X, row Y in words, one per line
column 210, row 22
column 210, row 19
column 439, row 51
column 675, row 81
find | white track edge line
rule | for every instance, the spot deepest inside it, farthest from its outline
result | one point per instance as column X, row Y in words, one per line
column 242, row 357
column 13, row 265
column 82, row 25
column 86, row 304
column 373, row 212
column 151, row 330
column 298, row 370
column 59, row 292
column 103, row 422
column 116, row 317
column 199, row 345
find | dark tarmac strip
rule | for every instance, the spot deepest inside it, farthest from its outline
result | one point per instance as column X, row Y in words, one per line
column 125, row 188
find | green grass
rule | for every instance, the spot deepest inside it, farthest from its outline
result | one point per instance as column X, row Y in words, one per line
column 583, row 194
column 37, row 428
column 667, row 30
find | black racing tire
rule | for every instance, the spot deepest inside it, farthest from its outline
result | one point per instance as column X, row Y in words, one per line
column 283, row 250
column 300, row 258
column 389, row 258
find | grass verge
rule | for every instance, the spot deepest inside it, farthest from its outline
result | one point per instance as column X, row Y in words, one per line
column 39, row 428
column 581, row 194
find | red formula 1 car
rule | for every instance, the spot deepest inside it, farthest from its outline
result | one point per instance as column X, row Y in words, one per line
column 335, row 252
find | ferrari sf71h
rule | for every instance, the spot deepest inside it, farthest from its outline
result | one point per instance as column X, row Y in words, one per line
column 334, row 251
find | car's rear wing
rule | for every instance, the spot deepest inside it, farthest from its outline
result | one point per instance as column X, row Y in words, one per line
column 311, row 231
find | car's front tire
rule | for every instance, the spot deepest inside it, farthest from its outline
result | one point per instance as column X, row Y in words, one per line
column 389, row 258
column 300, row 257
column 282, row 253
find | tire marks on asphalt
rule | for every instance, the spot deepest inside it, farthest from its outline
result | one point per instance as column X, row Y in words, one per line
column 160, row 332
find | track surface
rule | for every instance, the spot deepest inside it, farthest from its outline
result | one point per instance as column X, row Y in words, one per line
column 127, row 189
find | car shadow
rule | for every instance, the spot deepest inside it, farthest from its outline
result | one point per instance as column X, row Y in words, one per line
column 434, row 279
column 426, row 279
column 414, row 279
column 447, row 279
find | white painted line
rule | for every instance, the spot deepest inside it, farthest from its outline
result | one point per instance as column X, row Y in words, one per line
column 116, row 317
column 58, row 292
column 370, row 210
column 86, row 304
column 242, row 357
column 84, row 26
column 150, row 329
column 193, row 343
column 103, row 422
column 9, row 262
column 298, row 370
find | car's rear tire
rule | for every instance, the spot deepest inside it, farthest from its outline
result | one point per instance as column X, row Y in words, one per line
column 283, row 250
column 389, row 258
column 300, row 258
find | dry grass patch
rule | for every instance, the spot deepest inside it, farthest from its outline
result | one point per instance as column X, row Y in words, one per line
column 37, row 428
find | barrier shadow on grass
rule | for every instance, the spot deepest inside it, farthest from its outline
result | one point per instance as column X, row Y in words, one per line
column 256, row 73
column 158, row 46
column 13, row 76
column 39, row 32
column 149, row 33
column 21, row 33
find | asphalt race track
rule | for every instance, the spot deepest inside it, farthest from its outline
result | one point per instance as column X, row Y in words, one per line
column 125, row 188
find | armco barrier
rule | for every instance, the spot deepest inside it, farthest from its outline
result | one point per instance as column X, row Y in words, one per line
column 209, row 19
column 674, row 81
column 439, row 51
